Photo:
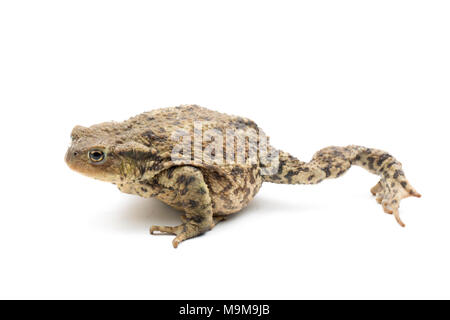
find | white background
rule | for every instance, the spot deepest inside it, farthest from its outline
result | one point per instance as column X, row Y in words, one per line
column 311, row 74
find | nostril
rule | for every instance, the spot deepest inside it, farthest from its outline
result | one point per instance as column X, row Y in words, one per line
column 75, row 154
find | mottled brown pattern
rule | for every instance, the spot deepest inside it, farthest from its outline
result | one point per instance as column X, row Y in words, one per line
column 137, row 158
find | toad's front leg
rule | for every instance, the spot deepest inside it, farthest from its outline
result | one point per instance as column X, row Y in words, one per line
column 190, row 193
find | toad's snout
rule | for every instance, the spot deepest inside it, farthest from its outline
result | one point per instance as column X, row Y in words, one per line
column 70, row 157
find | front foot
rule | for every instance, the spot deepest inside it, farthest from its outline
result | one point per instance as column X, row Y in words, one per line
column 178, row 231
column 390, row 190
column 188, row 229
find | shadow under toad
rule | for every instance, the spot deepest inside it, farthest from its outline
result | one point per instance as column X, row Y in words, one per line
column 137, row 215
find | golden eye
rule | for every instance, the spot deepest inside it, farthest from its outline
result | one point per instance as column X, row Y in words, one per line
column 96, row 156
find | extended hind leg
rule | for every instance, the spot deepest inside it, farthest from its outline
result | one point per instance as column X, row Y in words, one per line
column 392, row 187
column 332, row 162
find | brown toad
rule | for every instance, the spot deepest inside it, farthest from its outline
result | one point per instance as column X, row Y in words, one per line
column 210, row 164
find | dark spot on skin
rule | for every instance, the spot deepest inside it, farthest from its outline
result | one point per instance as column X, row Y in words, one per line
column 227, row 187
column 382, row 158
column 156, row 167
column 193, row 203
column 189, row 180
column 310, row 177
column 144, row 189
column 398, row 173
column 170, row 172
column 281, row 165
column 244, row 123
column 327, row 170
column 390, row 165
column 289, row 175
column 181, row 179
column 201, row 190
column 237, row 171
column 394, row 201
column 371, row 160
column 358, row 157
column 403, row 183
column 151, row 136
column 392, row 184
column 198, row 219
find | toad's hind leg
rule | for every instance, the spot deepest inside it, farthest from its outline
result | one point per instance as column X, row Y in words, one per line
column 190, row 192
column 332, row 162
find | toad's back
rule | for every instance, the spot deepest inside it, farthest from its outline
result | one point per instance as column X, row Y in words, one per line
column 231, row 185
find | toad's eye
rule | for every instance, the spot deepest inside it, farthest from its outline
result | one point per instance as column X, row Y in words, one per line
column 96, row 156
